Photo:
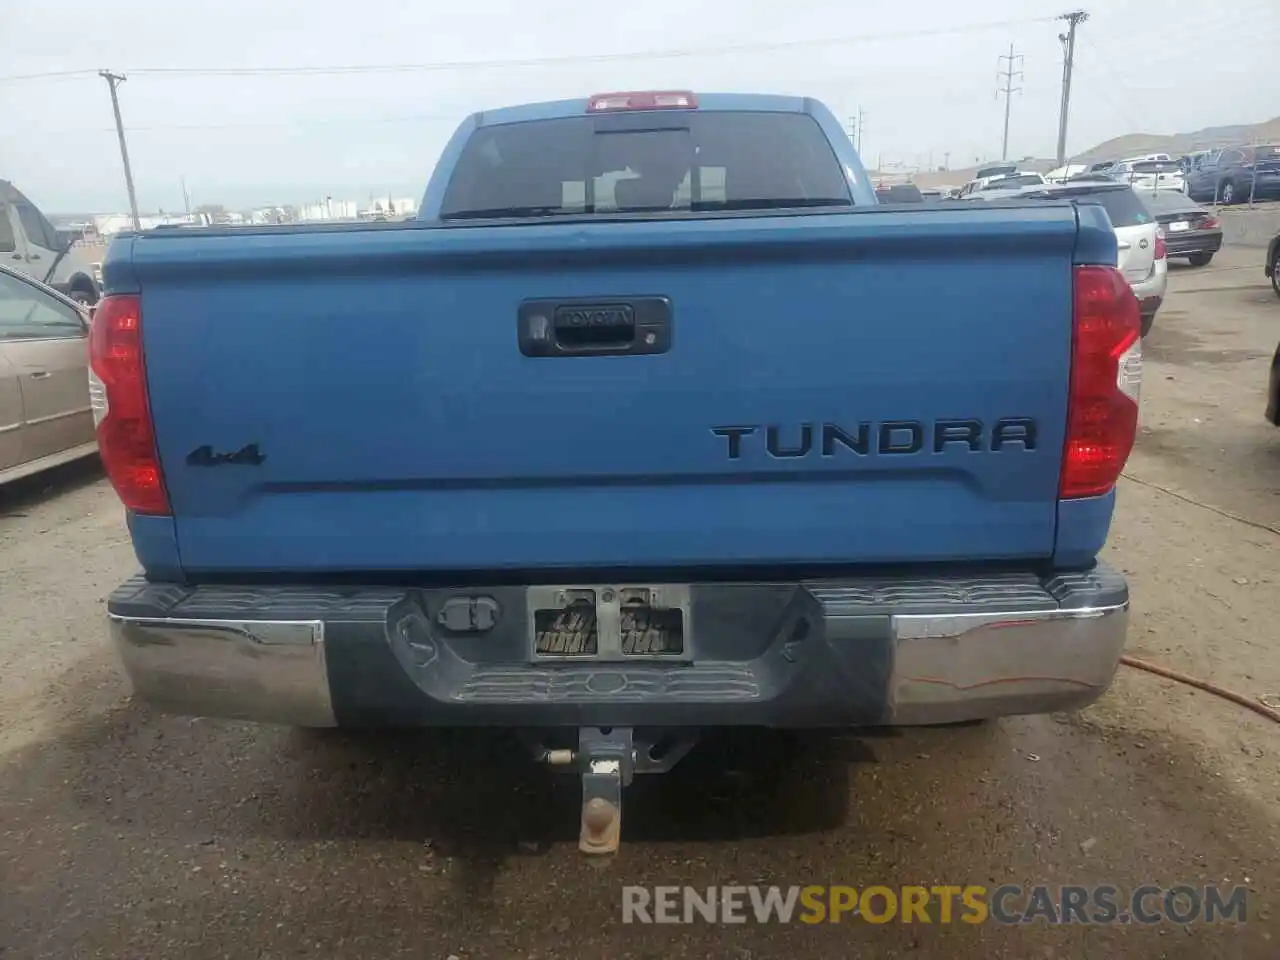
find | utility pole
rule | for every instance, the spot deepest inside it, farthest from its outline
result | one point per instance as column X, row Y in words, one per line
column 1068, row 41
column 1007, row 74
column 186, row 197
column 113, row 81
column 855, row 130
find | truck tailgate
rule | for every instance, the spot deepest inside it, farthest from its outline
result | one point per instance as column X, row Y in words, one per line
column 860, row 387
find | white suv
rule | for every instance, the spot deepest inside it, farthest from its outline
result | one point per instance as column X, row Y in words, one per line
column 1141, row 254
column 1000, row 184
column 1150, row 175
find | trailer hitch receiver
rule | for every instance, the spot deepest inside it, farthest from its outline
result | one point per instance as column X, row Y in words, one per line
column 607, row 762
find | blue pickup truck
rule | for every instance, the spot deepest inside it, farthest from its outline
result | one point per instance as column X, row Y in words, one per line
column 654, row 421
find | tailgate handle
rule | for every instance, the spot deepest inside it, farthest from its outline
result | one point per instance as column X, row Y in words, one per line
column 1123, row 245
column 607, row 327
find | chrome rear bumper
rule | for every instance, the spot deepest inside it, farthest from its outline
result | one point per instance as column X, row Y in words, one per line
column 271, row 671
column 978, row 666
column 850, row 652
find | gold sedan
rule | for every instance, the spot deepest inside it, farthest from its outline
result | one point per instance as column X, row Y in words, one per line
column 45, row 418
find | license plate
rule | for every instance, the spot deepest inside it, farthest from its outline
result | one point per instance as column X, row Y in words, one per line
column 609, row 622
column 1178, row 226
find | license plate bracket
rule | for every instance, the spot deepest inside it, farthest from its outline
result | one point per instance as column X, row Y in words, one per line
column 609, row 622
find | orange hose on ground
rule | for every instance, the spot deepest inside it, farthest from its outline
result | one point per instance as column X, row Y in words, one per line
column 1250, row 703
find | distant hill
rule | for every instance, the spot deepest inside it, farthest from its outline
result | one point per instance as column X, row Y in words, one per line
column 1179, row 143
column 1129, row 145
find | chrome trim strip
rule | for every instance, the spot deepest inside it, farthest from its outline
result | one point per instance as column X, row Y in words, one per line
column 60, row 415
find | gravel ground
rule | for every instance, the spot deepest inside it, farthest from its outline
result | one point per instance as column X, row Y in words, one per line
column 124, row 833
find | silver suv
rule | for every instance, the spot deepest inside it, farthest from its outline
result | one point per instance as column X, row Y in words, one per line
column 1141, row 255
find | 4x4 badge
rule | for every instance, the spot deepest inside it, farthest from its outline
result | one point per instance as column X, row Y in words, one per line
column 206, row 456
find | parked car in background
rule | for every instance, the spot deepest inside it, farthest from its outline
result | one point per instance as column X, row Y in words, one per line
column 1200, row 183
column 45, row 418
column 1235, row 174
column 995, row 170
column 1274, row 389
column 1272, row 270
column 1272, row 266
column 1141, row 243
column 1094, row 177
column 1066, row 172
column 1190, row 161
column 1163, row 175
column 987, row 176
column 1002, row 186
column 899, row 193
column 1190, row 230
column 32, row 246
column 1142, row 157
column 1016, row 180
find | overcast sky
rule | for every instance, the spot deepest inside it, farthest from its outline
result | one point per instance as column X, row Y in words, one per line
column 924, row 72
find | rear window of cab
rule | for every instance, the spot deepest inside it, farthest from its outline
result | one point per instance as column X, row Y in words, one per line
column 646, row 161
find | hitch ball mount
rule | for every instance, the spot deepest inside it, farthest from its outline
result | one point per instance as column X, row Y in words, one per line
column 607, row 759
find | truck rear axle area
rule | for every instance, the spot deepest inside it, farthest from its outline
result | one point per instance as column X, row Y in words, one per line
column 607, row 759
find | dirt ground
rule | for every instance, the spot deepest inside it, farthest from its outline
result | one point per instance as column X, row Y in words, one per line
column 126, row 834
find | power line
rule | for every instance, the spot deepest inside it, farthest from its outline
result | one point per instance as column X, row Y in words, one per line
column 50, row 75
column 1008, row 90
column 342, row 69
column 1124, row 88
column 1104, row 94
column 593, row 58
column 273, row 124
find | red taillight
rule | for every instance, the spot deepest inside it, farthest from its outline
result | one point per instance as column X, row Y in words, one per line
column 643, row 100
column 118, row 392
column 1209, row 223
column 1106, row 373
column 1162, row 250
